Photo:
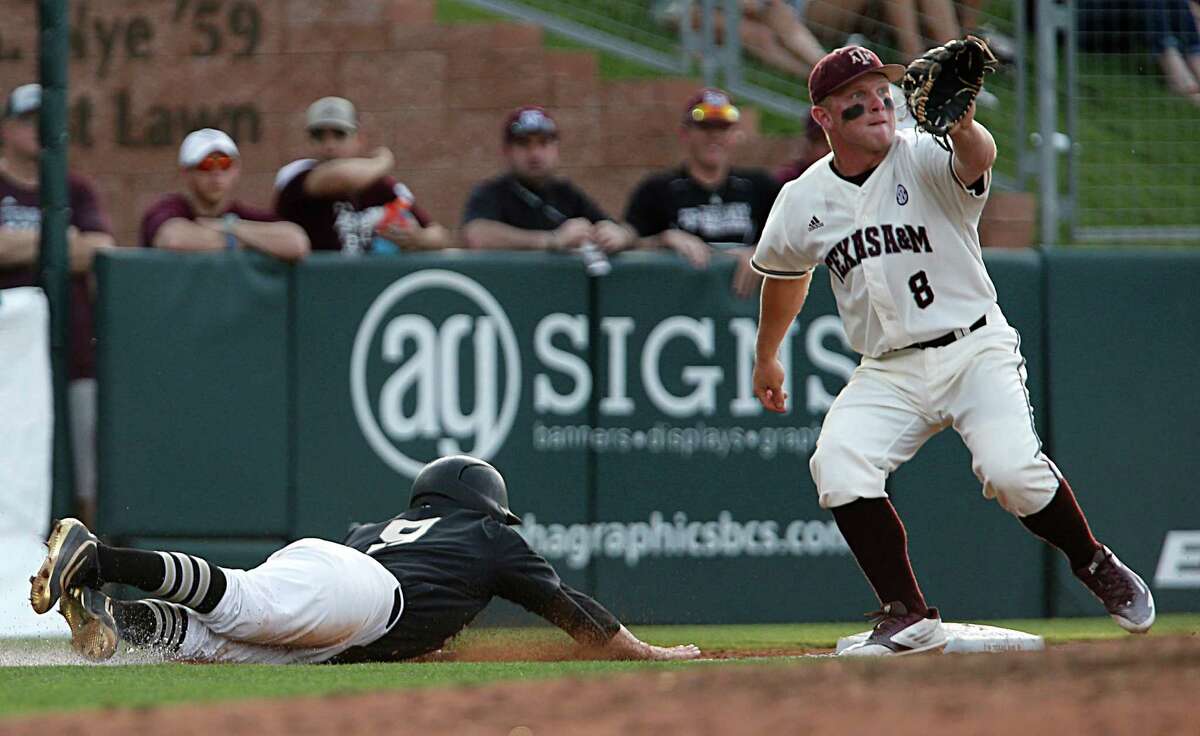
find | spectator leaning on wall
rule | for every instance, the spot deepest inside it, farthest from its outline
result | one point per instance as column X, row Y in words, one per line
column 346, row 198
column 206, row 217
column 705, row 200
column 532, row 207
column 88, row 233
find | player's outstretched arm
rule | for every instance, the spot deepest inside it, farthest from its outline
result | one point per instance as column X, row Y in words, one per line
column 624, row 645
column 526, row 578
column 974, row 148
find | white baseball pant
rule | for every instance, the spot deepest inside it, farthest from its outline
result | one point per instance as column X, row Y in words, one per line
column 308, row 602
column 894, row 403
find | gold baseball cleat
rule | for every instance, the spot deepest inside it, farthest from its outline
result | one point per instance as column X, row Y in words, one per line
column 89, row 613
column 71, row 551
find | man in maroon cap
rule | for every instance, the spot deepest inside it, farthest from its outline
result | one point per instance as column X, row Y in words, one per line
column 706, row 200
column 531, row 206
column 893, row 216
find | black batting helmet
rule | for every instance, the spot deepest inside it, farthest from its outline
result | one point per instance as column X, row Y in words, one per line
column 468, row 482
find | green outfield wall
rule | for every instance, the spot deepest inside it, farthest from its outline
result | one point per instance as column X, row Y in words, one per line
column 1124, row 332
column 244, row 403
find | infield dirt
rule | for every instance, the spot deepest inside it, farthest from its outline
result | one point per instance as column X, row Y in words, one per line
column 1132, row 685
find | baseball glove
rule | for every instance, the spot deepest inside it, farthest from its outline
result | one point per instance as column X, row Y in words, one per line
column 941, row 85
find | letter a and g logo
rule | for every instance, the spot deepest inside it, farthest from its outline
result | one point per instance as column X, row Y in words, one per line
column 431, row 343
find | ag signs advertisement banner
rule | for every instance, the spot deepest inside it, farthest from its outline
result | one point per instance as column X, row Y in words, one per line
column 619, row 408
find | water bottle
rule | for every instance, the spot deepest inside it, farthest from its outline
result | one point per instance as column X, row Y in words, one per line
column 594, row 260
column 396, row 213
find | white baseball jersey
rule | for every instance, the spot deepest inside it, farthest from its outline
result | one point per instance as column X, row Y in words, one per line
column 902, row 250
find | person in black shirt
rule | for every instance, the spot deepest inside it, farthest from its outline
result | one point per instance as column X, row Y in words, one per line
column 705, row 200
column 393, row 590
column 531, row 207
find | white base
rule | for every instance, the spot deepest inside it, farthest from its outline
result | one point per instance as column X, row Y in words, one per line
column 973, row 638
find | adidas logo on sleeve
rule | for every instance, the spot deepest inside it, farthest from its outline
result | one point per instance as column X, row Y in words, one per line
column 815, row 223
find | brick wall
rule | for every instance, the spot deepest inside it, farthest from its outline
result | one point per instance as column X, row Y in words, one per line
column 145, row 72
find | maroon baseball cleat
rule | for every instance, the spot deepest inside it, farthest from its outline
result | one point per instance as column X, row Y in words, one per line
column 898, row 632
column 1124, row 594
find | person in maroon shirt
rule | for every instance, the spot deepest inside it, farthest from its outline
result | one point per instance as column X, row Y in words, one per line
column 813, row 147
column 206, row 217
column 88, row 233
column 345, row 198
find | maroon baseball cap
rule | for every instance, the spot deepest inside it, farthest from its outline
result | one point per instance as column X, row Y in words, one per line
column 842, row 66
column 529, row 120
column 710, row 107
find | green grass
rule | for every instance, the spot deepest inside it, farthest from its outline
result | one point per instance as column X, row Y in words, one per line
column 611, row 66
column 33, row 689
column 449, row 11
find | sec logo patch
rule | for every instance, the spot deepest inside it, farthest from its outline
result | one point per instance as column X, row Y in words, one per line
column 901, row 195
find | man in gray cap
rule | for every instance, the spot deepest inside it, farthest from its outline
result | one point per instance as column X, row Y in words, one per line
column 20, row 235
column 344, row 197
column 205, row 216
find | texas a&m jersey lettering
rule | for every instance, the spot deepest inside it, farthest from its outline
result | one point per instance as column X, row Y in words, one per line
column 872, row 242
column 901, row 245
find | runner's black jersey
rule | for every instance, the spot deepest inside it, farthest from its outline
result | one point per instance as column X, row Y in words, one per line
column 450, row 563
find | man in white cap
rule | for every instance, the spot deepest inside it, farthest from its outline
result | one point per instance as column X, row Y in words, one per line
column 206, row 216
column 346, row 199
column 20, row 233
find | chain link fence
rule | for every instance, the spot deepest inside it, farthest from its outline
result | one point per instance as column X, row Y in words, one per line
column 1125, row 86
column 1136, row 139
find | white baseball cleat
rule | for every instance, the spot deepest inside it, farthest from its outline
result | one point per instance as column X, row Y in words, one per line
column 898, row 632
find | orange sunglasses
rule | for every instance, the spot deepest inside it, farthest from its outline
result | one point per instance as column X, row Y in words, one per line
column 215, row 162
column 708, row 114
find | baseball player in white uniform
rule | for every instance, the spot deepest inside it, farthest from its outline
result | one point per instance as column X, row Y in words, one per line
column 893, row 216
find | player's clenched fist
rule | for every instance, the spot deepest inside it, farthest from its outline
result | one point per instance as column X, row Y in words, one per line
column 768, row 385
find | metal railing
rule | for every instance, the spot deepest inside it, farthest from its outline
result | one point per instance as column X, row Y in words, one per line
column 704, row 37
